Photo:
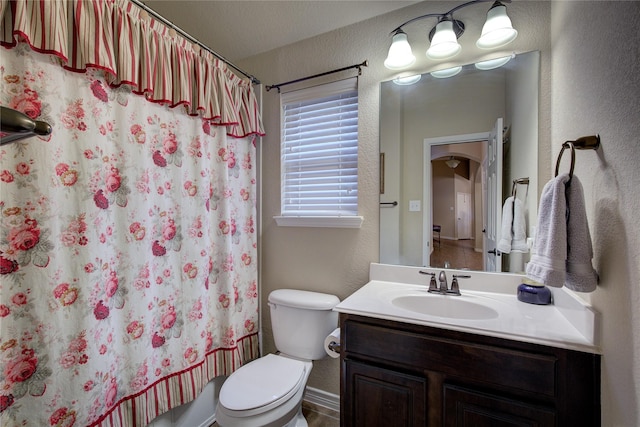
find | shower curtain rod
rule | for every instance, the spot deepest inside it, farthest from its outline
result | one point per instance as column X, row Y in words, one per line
column 365, row 63
column 192, row 39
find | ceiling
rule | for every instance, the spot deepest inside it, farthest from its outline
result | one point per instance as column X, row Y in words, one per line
column 238, row 29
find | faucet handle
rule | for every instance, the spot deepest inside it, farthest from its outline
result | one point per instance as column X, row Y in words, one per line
column 433, row 286
column 455, row 288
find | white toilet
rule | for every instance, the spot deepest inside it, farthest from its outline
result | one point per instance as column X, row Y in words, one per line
column 268, row 391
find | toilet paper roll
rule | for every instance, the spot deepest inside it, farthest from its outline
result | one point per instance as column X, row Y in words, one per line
column 332, row 343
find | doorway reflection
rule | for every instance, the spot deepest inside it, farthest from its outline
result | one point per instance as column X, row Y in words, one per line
column 457, row 200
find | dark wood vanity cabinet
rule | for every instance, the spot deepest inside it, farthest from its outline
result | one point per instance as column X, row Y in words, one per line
column 398, row 374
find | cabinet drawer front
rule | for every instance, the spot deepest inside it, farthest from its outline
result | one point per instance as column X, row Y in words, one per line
column 469, row 408
column 529, row 372
column 381, row 397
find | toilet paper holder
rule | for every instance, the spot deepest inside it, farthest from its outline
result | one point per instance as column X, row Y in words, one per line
column 334, row 346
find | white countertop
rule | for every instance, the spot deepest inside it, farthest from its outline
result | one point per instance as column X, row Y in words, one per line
column 568, row 323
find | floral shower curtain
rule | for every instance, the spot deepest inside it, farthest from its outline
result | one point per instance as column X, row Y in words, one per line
column 128, row 273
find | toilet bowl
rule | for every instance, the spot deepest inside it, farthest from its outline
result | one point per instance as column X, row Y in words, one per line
column 265, row 393
column 268, row 391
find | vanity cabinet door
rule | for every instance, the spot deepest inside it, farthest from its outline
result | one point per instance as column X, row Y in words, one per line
column 469, row 408
column 396, row 374
column 380, row 397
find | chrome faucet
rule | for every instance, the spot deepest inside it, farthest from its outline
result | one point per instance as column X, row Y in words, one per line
column 444, row 289
column 442, row 278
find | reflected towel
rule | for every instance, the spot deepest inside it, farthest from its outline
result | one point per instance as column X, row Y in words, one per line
column 581, row 276
column 513, row 234
column 519, row 242
column 506, row 232
column 548, row 263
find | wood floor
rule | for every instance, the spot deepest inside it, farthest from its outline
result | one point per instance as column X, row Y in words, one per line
column 458, row 253
column 317, row 416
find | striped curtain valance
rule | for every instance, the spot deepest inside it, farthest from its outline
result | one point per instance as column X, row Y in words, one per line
column 112, row 36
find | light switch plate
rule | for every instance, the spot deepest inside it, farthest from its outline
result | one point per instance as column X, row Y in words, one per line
column 414, row 205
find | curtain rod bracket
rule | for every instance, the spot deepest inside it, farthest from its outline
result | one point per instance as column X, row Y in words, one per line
column 364, row 63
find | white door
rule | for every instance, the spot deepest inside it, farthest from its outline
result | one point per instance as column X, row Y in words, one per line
column 492, row 259
column 463, row 215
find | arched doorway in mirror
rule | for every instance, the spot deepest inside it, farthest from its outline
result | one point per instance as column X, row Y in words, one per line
column 462, row 185
column 457, row 200
column 462, row 177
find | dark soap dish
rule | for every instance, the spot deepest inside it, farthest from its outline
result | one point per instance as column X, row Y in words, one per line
column 534, row 294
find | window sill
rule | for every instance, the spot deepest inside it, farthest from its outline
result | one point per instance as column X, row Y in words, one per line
column 320, row 221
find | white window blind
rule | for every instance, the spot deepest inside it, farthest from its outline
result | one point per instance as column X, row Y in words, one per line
column 319, row 152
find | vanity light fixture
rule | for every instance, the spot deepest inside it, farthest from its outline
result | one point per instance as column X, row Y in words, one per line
column 496, row 32
column 452, row 162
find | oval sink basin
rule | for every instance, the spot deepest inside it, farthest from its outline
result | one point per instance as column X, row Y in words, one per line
column 444, row 306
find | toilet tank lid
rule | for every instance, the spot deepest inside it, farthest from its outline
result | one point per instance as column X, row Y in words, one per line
column 303, row 299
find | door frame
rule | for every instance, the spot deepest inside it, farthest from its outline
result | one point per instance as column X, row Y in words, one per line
column 427, row 193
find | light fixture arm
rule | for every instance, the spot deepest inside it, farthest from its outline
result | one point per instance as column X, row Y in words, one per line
column 440, row 16
column 418, row 18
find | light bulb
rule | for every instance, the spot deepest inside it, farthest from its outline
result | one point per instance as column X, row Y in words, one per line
column 444, row 44
column 400, row 55
column 497, row 30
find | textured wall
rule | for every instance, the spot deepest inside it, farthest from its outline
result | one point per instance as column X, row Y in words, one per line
column 337, row 260
column 596, row 89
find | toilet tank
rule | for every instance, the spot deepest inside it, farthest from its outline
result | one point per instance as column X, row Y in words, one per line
column 301, row 320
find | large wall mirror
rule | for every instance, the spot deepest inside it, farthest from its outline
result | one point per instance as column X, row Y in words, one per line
column 452, row 150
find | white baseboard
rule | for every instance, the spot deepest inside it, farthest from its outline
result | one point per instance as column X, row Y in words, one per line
column 322, row 398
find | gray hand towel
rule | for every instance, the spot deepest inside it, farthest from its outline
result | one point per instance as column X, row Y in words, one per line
column 581, row 276
column 548, row 262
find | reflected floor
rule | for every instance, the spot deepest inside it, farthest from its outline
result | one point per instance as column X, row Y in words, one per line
column 458, row 253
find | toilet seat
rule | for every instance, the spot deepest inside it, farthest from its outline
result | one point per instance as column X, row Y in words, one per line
column 262, row 384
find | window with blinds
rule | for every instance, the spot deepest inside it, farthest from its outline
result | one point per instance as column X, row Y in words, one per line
column 319, row 154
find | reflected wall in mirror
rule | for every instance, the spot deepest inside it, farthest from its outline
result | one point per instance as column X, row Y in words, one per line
column 447, row 214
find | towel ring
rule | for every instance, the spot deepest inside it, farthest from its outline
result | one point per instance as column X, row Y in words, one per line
column 591, row 142
column 566, row 145
column 522, row 181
